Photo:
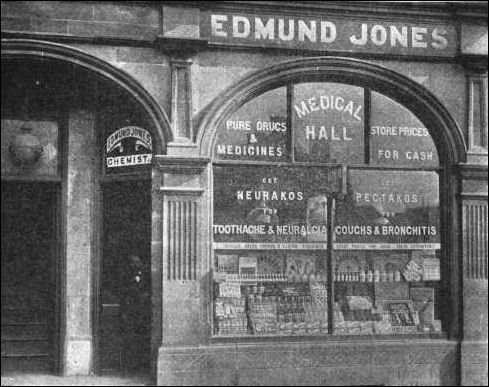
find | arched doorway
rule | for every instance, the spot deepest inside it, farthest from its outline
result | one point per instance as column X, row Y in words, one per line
column 75, row 102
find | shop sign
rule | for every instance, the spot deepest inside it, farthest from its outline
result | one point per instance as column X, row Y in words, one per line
column 330, row 34
column 270, row 208
column 389, row 210
column 128, row 147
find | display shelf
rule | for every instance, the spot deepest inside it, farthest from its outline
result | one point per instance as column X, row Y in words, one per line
column 262, row 278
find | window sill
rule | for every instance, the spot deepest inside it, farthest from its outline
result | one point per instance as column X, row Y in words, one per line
column 327, row 338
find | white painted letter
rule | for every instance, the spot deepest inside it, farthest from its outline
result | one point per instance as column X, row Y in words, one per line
column 281, row 32
column 417, row 37
column 302, row 112
column 264, row 32
column 401, row 37
column 374, row 35
column 328, row 32
column 440, row 41
column 246, row 27
column 310, row 132
column 362, row 40
column 216, row 25
column 305, row 30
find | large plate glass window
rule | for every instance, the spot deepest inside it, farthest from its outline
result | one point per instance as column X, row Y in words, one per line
column 300, row 249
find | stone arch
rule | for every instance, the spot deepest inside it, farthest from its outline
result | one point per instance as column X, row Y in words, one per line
column 443, row 128
column 35, row 49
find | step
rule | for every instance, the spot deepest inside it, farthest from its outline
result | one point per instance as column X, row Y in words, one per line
column 25, row 347
column 26, row 330
column 34, row 363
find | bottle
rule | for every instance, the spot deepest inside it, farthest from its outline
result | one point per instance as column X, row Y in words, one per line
column 376, row 275
column 362, row 276
column 390, row 276
column 370, row 276
column 383, row 276
column 397, row 276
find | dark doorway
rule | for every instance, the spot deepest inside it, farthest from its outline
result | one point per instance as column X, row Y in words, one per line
column 125, row 283
column 29, row 264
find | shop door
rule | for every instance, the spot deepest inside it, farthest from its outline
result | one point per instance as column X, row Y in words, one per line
column 125, row 284
column 29, row 250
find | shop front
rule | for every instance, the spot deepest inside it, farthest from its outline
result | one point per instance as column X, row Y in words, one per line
column 312, row 211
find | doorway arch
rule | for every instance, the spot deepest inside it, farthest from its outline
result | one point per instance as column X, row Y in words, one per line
column 25, row 48
column 65, row 57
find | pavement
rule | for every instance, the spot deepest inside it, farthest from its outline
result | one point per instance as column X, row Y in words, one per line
column 52, row 380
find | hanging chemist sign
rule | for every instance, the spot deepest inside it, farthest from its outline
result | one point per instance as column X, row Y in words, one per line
column 330, row 34
column 128, row 147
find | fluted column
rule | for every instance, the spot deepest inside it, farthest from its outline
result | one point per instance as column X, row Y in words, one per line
column 474, row 274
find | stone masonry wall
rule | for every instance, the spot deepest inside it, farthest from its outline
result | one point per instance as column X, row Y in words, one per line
column 334, row 363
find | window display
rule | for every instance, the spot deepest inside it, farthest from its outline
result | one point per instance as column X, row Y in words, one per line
column 386, row 292
column 332, row 238
column 266, row 293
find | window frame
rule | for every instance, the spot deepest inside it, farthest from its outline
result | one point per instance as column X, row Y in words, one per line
column 441, row 170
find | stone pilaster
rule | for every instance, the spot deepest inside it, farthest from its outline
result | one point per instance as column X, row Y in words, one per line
column 184, row 252
column 79, row 243
column 474, row 274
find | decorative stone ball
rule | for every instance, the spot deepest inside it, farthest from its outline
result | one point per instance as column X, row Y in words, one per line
column 25, row 148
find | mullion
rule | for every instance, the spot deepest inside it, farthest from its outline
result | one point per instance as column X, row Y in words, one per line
column 290, row 122
column 367, row 104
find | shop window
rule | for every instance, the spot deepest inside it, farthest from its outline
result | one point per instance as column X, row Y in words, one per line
column 330, row 238
column 386, row 261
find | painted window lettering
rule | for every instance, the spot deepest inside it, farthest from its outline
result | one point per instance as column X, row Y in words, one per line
column 328, row 102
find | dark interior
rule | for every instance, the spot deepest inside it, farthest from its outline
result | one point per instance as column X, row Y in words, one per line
column 125, row 315
column 29, row 245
